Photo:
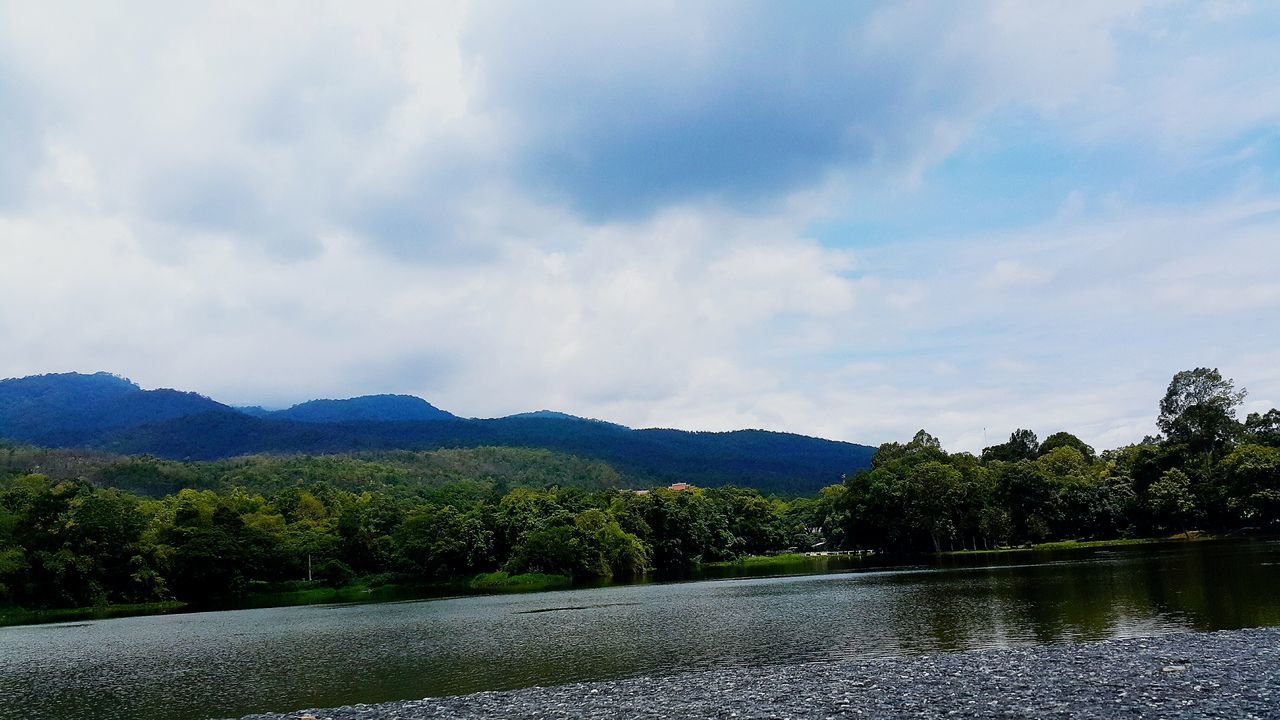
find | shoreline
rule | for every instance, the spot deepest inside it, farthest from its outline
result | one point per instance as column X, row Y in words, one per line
column 500, row 584
column 1229, row 673
column 1194, row 536
column 356, row 593
column 797, row 558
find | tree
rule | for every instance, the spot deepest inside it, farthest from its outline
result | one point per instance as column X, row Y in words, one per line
column 1066, row 439
column 933, row 492
column 1171, row 500
column 1022, row 445
column 924, row 440
column 1263, row 428
column 1199, row 409
column 1251, row 474
column 612, row 550
column 1028, row 496
column 212, row 557
column 557, row 550
column 922, row 448
column 443, row 542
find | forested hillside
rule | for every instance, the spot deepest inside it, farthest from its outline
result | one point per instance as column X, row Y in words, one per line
column 477, row 471
column 73, row 409
column 88, row 528
column 108, row 413
column 370, row 408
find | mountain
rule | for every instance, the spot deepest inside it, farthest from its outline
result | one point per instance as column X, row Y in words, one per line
column 105, row 412
column 554, row 415
column 74, row 408
column 368, row 408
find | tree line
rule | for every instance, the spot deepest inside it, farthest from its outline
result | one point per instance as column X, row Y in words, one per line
column 262, row 524
column 1207, row 469
column 65, row 543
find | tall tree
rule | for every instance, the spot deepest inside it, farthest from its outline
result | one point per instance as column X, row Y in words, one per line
column 1263, row 428
column 1066, row 439
column 1171, row 500
column 1199, row 409
column 1022, row 445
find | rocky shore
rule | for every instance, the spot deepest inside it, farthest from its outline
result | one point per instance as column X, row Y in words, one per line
column 1230, row 674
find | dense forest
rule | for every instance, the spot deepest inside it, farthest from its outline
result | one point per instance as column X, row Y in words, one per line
column 83, row 528
column 1206, row 470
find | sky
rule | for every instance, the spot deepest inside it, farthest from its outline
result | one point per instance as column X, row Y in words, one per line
column 849, row 220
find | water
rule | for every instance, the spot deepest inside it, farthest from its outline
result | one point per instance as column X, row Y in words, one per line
column 233, row 663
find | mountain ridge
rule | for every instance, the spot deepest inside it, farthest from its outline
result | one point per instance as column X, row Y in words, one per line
column 111, row 413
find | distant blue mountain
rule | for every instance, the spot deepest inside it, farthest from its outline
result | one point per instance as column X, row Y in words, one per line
column 73, row 408
column 368, row 408
column 553, row 415
column 111, row 413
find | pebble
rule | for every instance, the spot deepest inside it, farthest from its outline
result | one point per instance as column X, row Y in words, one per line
column 1229, row 674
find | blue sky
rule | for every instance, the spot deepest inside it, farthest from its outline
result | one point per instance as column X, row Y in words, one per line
column 849, row 220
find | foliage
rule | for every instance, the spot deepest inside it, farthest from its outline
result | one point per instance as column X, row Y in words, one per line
column 1066, row 439
column 1022, row 445
column 528, row 582
column 1199, row 408
column 91, row 529
column 1172, row 503
column 65, row 543
column 1208, row 469
column 1263, row 428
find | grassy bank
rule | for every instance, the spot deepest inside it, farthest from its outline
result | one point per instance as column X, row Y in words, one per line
column 357, row 593
column 354, row 593
column 1084, row 544
column 528, row 582
column 799, row 560
column 301, row 594
column 784, row 564
column 762, row 561
column 26, row 616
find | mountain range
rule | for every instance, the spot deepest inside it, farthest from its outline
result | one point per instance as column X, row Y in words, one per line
column 110, row 413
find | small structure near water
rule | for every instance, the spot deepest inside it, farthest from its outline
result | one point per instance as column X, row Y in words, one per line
column 676, row 487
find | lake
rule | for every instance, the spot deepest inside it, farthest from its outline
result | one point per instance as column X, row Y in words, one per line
column 232, row 663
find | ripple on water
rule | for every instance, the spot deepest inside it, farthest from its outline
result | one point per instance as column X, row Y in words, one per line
column 234, row 663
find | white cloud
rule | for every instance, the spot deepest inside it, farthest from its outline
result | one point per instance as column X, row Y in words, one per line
column 651, row 325
column 271, row 203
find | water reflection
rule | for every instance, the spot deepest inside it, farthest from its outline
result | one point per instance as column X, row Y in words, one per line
column 233, row 663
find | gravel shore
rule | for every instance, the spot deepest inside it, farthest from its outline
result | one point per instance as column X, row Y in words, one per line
column 1230, row 674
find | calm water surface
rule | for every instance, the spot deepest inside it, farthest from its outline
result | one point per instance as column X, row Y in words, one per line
column 233, row 663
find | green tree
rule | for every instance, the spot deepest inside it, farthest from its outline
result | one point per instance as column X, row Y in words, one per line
column 611, row 550
column 443, row 542
column 558, row 550
column 1251, row 474
column 1029, row 498
column 13, row 560
column 933, row 491
column 1199, row 409
column 1171, row 500
column 214, row 557
column 1066, row 439
column 1263, row 428
column 1022, row 445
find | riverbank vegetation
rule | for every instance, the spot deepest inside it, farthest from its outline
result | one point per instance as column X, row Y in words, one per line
column 66, row 543
column 91, row 530
column 505, row 582
column 1206, row 470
